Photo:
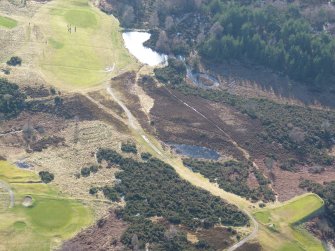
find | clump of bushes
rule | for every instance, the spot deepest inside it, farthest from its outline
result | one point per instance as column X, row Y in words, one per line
column 14, row 61
column 289, row 165
column 86, row 171
column 109, row 192
column 316, row 169
column 232, row 176
column 46, row 176
column 153, row 188
column 202, row 245
column 146, row 156
column 93, row 190
column 174, row 73
column 129, row 147
column 12, row 100
column 109, row 155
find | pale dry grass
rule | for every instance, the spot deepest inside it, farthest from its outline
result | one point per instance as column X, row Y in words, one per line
column 146, row 101
column 192, row 238
column 66, row 161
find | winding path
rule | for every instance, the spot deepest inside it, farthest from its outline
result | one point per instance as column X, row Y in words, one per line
column 246, row 155
column 249, row 237
column 193, row 178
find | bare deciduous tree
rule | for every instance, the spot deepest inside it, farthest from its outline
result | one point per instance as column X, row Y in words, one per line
column 297, row 135
column 135, row 242
column 171, row 232
column 162, row 42
column 28, row 132
column 216, row 29
column 154, row 20
column 169, row 22
column 128, row 16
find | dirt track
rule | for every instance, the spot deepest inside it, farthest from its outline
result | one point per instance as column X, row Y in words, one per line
column 193, row 178
column 6, row 187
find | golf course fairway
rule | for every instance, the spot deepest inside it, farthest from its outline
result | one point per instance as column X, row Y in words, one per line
column 48, row 219
column 279, row 226
column 83, row 47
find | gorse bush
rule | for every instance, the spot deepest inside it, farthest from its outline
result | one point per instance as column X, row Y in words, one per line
column 232, row 177
column 129, row 147
column 153, row 188
column 46, row 176
column 14, row 61
column 12, row 100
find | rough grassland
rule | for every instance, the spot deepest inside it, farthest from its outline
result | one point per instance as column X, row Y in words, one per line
column 42, row 226
column 280, row 229
column 88, row 55
column 7, row 22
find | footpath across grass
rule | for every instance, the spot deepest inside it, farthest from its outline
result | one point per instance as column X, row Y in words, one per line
column 46, row 221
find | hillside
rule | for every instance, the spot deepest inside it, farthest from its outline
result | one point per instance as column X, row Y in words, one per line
column 226, row 142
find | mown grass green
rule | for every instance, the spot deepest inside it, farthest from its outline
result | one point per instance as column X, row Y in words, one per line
column 263, row 217
column 280, row 229
column 56, row 44
column 7, row 22
column 51, row 217
column 81, row 18
column 59, row 210
column 84, row 56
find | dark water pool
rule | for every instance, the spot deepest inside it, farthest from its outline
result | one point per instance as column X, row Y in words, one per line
column 22, row 164
column 197, row 152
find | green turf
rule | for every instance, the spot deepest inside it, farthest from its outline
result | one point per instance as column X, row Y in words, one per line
column 291, row 246
column 50, row 213
column 263, row 217
column 81, row 18
column 7, row 22
column 19, row 225
column 56, row 44
column 79, row 59
column 297, row 210
column 281, row 230
column 51, row 217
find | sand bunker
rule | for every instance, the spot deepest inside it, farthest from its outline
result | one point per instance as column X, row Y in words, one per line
column 27, row 201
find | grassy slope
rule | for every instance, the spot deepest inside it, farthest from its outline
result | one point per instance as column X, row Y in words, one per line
column 79, row 59
column 7, row 22
column 50, row 219
column 278, row 229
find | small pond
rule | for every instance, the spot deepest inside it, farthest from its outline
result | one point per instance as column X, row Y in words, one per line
column 23, row 164
column 134, row 40
column 197, row 152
